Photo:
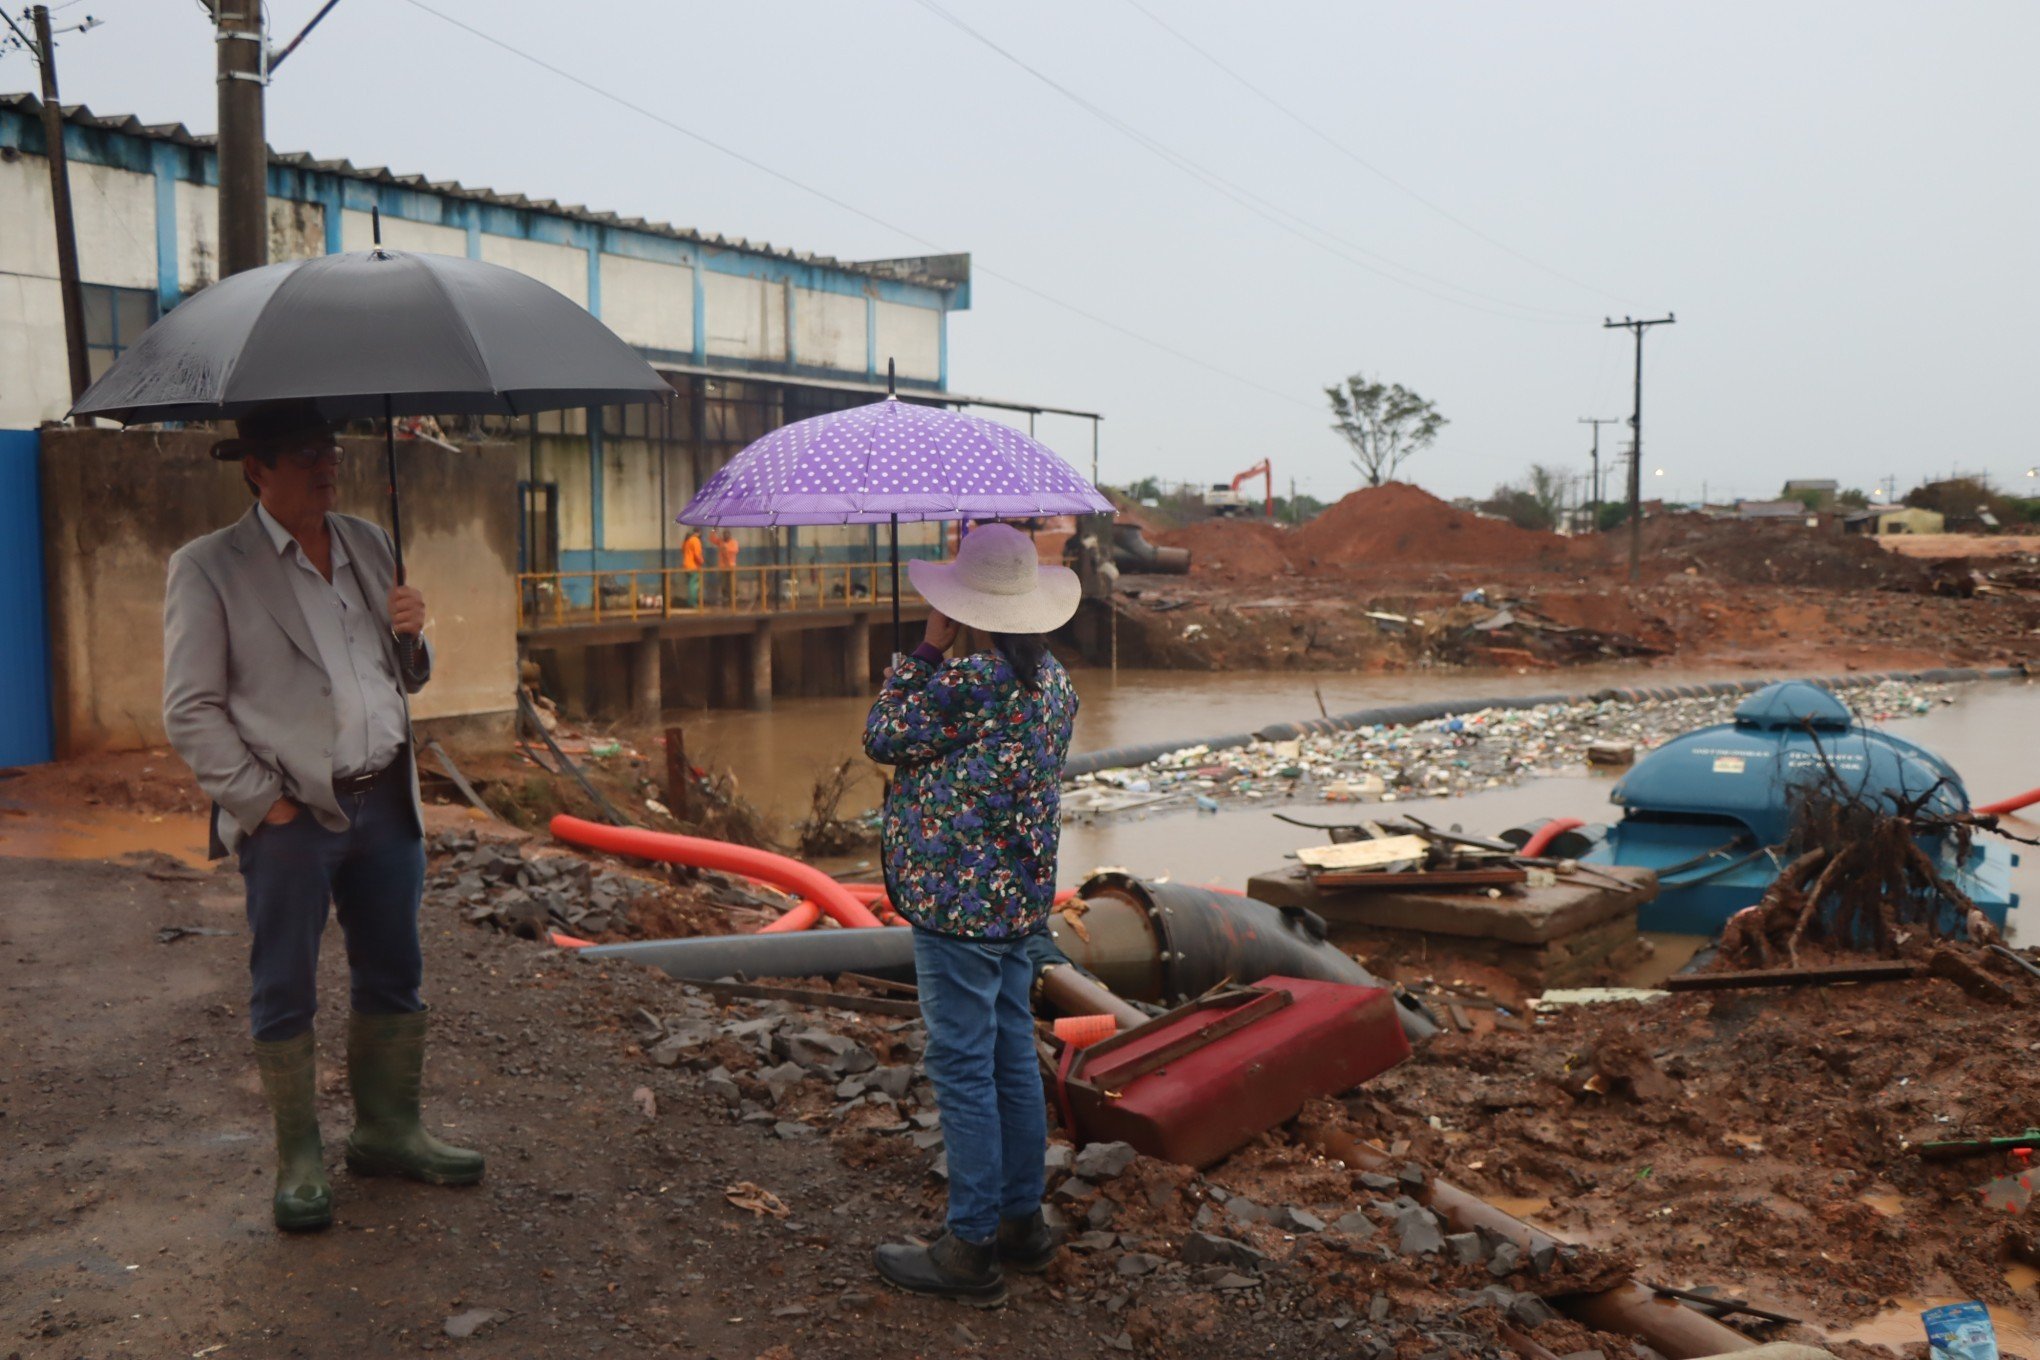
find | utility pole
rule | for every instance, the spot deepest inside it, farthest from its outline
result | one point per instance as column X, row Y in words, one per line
column 1597, row 422
column 1636, row 438
column 60, row 200
column 243, row 54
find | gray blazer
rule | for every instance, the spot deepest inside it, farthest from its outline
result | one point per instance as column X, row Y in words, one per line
column 245, row 696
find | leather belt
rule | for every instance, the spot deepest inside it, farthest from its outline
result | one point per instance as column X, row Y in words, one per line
column 352, row 784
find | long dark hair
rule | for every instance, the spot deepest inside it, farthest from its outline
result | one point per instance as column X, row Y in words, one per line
column 1024, row 652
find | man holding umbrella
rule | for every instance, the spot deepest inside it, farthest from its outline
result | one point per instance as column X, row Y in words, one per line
column 290, row 648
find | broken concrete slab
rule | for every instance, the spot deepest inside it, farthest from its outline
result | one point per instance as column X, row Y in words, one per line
column 1202, row 1249
column 1103, row 1161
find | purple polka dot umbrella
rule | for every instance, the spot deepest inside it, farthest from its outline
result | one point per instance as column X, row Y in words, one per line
column 887, row 462
column 891, row 461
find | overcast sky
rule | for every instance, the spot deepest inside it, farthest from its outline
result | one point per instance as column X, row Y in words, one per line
column 1838, row 200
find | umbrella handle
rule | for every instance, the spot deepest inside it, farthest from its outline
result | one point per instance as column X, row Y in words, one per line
column 407, row 643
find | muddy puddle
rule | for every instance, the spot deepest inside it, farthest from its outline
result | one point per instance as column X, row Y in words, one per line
column 95, row 834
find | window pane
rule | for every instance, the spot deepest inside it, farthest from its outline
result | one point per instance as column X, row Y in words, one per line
column 137, row 309
column 97, row 361
column 98, row 314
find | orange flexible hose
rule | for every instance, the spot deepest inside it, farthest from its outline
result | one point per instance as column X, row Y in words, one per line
column 701, row 853
column 2008, row 805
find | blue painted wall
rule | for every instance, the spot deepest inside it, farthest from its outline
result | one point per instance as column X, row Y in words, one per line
column 27, row 733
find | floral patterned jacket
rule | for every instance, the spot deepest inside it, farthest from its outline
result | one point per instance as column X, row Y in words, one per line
column 974, row 813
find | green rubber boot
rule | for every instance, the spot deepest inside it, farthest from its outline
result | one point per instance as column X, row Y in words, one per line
column 385, row 1061
column 304, row 1198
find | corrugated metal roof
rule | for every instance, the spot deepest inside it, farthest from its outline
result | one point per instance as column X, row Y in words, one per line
column 299, row 160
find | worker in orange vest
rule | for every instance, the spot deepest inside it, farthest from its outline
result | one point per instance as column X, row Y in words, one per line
column 726, row 550
column 690, row 562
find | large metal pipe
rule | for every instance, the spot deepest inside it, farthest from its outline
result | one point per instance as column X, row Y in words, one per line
column 1158, row 942
column 1173, row 942
column 884, row 952
column 1062, row 990
column 1665, row 1325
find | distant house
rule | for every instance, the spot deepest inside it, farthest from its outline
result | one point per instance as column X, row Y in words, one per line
column 1820, row 494
column 1896, row 519
column 1777, row 510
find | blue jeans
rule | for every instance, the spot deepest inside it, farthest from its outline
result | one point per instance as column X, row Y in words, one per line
column 373, row 873
column 974, row 1002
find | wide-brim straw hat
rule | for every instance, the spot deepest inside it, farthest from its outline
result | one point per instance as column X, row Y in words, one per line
column 997, row 584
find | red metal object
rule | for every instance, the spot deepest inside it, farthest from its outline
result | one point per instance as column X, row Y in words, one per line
column 1207, row 1078
column 1263, row 469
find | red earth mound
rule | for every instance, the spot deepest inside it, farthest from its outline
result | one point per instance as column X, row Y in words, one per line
column 1398, row 524
column 1234, row 548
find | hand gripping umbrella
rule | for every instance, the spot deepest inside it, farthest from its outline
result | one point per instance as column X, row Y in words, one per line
column 373, row 333
column 887, row 462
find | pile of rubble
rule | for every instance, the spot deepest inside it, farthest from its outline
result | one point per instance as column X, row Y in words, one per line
column 1173, row 1253
column 1442, row 757
column 495, row 884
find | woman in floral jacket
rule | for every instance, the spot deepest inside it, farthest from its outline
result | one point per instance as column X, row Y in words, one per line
column 971, row 824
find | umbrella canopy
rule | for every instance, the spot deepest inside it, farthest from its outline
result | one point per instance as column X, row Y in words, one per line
column 891, row 461
column 372, row 333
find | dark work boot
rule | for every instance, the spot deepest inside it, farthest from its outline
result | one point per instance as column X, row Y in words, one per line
column 1028, row 1244
column 947, row 1268
column 304, row 1198
column 385, row 1063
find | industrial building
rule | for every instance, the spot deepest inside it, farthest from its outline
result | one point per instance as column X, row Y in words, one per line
column 565, row 547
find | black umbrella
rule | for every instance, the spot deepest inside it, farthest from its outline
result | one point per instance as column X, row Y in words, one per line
column 373, row 333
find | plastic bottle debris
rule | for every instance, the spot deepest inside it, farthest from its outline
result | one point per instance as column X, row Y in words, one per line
column 1447, row 757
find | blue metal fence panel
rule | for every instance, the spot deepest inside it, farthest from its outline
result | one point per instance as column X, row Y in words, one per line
column 26, row 730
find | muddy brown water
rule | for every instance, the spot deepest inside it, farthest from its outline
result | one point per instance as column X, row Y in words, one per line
column 1989, row 734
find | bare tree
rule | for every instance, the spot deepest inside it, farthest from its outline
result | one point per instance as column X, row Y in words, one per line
column 1384, row 422
column 1547, row 487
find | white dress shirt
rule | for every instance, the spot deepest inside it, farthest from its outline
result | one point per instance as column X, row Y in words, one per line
column 368, row 708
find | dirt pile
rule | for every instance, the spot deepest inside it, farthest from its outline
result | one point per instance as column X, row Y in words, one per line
column 1234, row 549
column 1401, row 525
column 1756, row 552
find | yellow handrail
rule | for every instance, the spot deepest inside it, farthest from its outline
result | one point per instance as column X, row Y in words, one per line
column 554, row 599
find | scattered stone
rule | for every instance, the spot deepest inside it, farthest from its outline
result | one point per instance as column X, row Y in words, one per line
column 1377, row 1308
column 928, row 1138
column 791, row 1129
column 1122, row 1342
column 1234, row 1280
column 1094, row 1241
column 1203, row 1249
column 1507, row 1259
column 814, row 1047
column 781, row 1079
column 1530, row 1312
column 680, row 1040
column 850, row 1088
column 1466, row 1248
column 1137, row 1263
column 1101, row 1212
column 1103, row 1161
column 1056, row 1158
column 1417, row 1232
column 1206, row 1215
column 792, row 1310
column 1294, row 1220
column 720, row 1084
column 1355, row 1225
column 894, row 1081
column 1245, row 1210
column 1542, row 1257
column 1374, row 1180
column 1410, row 1178
column 939, row 1168
column 463, row 1325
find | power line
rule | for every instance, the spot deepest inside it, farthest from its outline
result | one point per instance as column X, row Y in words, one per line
column 1298, row 226
column 738, row 156
column 1359, row 160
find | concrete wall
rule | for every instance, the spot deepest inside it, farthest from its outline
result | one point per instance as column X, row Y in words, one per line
column 116, row 504
column 912, row 337
column 564, row 268
column 649, row 303
column 829, row 330
column 746, row 317
column 357, row 232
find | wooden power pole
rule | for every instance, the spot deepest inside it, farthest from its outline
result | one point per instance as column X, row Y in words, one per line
column 1636, row 440
column 60, row 200
column 243, row 56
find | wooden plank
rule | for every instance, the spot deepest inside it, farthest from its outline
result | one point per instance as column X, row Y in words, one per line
column 809, row 996
column 1365, row 854
column 1792, row 977
column 1422, row 879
